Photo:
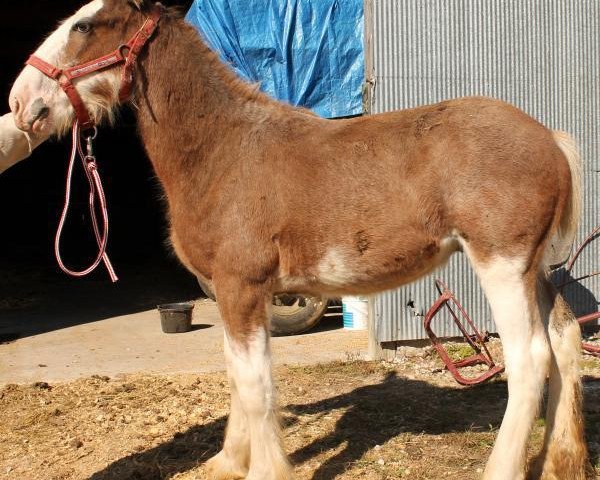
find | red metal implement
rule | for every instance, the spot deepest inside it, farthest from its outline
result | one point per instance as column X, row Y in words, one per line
column 587, row 347
column 476, row 340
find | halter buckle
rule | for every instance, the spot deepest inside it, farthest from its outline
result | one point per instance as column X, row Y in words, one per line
column 124, row 50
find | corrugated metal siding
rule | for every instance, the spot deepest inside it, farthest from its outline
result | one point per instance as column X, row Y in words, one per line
column 542, row 56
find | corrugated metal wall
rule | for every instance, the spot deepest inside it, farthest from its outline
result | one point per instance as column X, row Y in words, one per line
column 542, row 56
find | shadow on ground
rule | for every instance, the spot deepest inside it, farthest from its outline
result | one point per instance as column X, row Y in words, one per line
column 375, row 414
column 36, row 302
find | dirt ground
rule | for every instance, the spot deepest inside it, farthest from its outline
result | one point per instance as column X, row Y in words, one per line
column 342, row 420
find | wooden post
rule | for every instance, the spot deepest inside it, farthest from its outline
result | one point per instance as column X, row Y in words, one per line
column 375, row 351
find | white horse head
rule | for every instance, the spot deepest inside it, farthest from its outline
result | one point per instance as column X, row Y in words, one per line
column 39, row 104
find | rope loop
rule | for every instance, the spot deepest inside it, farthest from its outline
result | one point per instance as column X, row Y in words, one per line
column 96, row 192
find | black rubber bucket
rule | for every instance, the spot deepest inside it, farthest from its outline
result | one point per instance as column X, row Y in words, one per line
column 176, row 317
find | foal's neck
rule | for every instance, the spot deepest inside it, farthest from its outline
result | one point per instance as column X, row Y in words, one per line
column 188, row 99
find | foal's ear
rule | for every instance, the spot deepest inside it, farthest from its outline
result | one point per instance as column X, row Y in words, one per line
column 141, row 5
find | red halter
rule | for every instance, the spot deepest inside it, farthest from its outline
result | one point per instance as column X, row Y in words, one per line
column 127, row 53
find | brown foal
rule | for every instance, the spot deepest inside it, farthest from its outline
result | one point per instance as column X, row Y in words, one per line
column 264, row 198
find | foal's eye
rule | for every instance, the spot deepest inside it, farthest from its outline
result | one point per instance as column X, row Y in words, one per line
column 82, row 27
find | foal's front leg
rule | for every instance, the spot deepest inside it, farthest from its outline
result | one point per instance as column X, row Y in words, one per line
column 234, row 459
column 253, row 444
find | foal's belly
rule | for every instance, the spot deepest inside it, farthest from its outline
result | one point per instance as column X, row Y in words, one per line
column 342, row 270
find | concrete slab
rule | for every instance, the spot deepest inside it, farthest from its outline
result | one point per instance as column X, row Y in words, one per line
column 135, row 343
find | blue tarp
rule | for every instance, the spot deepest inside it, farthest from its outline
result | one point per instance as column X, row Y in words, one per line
column 305, row 52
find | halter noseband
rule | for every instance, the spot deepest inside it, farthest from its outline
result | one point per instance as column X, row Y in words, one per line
column 126, row 53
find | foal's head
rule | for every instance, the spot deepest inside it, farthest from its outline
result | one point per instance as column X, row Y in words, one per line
column 38, row 102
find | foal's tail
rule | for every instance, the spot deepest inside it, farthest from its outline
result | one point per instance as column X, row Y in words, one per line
column 560, row 246
column 564, row 454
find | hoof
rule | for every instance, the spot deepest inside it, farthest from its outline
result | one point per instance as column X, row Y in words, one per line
column 223, row 467
column 277, row 471
column 281, row 475
column 501, row 476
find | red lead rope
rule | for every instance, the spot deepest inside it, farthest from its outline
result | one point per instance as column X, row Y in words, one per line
column 90, row 167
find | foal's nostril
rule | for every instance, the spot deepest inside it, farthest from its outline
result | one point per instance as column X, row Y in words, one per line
column 39, row 110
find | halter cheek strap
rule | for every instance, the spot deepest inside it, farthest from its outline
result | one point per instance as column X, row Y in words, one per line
column 135, row 47
column 127, row 54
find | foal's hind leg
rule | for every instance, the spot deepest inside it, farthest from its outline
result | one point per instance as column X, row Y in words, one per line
column 564, row 454
column 253, row 441
column 511, row 293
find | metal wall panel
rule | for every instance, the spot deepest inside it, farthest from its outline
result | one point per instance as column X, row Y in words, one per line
column 542, row 56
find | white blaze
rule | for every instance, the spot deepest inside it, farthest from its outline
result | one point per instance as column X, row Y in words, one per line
column 54, row 45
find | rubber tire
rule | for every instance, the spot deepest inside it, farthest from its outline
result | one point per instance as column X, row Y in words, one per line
column 298, row 320
column 288, row 323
